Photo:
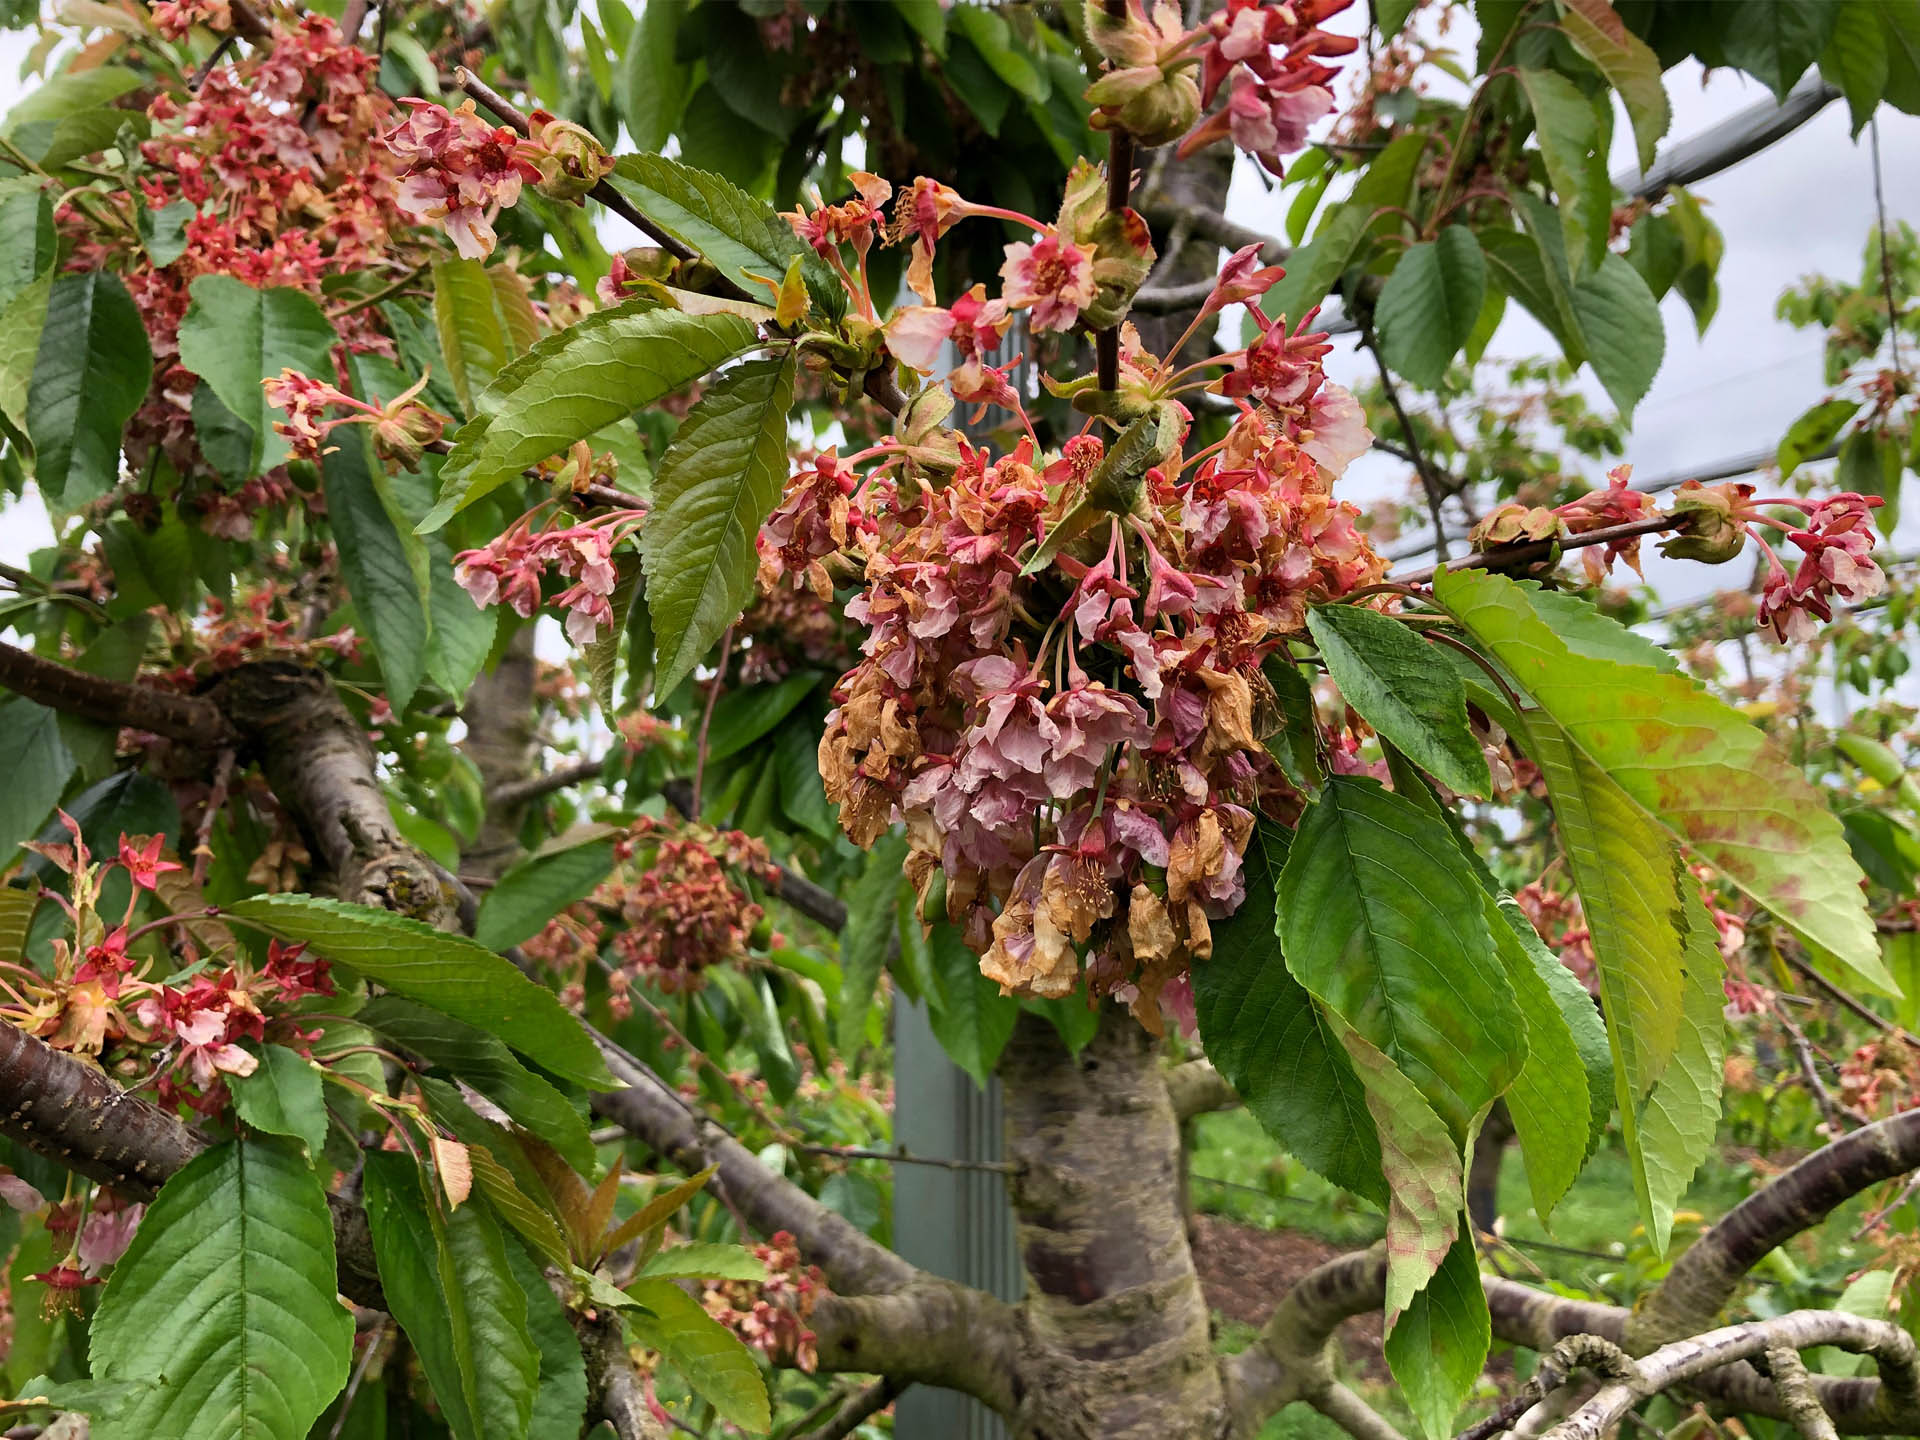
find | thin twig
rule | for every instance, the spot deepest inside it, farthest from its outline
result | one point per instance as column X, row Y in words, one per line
column 1830, row 1109
column 865, row 1402
column 901, row 1157
column 1517, row 557
column 1429, row 478
column 519, row 792
column 374, row 1342
column 216, row 801
column 603, row 192
column 1857, row 1006
column 706, row 718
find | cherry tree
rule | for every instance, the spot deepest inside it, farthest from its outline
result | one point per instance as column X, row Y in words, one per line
column 954, row 605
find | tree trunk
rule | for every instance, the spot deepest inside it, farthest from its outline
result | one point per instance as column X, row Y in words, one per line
column 1117, row 1341
column 502, row 741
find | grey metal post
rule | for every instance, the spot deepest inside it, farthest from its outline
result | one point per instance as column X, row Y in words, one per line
column 955, row 1223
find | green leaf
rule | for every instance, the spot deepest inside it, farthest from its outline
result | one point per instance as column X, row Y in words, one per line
column 1380, row 919
column 1856, row 59
column 483, row 1062
column 1871, row 465
column 448, row 1283
column 38, row 765
column 698, row 1260
column 1429, row 305
column 1776, row 40
column 501, row 1170
column 1809, row 436
column 993, row 38
column 652, row 85
column 863, row 944
column 594, row 372
column 1313, row 268
column 719, row 480
column 560, row 1403
column 1404, row 690
column 1295, row 745
column 1557, row 1122
column 474, row 335
column 1572, row 128
column 22, row 324
column 226, row 1297
column 450, row 973
column 235, row 336
column 803, row 798
column 1391, row 16
column 602, row 653
column 1677, row 1123
column 538, row 888
column 743, row 716
column 715, row 1365
column 283, row 1097
column 70, row 91
column 1266, row 1035
column 1900, row 32
column 969, row 1016
column 1522, row 267
column 382, row 561
column 1424, row 1170
column 1711, row 778
column 1438, row 1345
column 1628, row 875
column 737, row 233
column 1620, row 326
column 1630, row 67
column 27, row 240
column 164, row 231
column 90, row 375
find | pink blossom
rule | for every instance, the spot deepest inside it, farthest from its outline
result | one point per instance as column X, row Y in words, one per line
column 106, row 1236
column 1053, row 275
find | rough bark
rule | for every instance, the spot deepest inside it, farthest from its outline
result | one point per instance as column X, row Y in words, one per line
column 1114, row 1321
column 317, row 761
column 1704, row 1279
column 70, row 1112
column 185, row 718
column 502, row 742
column 1176, row 197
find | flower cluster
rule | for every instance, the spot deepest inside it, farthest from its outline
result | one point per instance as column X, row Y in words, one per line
column 1617, row 503
column 679, row 900
column 1061, row 691
column 459, row 172
column 1271, row 59
column 509, row 569
column 1835, row 537
column 101, row 1002
column 402, row 428
column 273, row 153
column 680, row 907
column 771, row 1315
column 1713, row 524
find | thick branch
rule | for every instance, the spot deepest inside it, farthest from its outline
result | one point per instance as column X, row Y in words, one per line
column 1211, row 225
column 112, row 702
column 317, row 760
column 1291, row 1360
column 71, row 1113
column 1704, row 1279
column 1790, row 1378
column 933, row 1332
column 854, row 1263
column 1691, row 1359
column 1196, row 1088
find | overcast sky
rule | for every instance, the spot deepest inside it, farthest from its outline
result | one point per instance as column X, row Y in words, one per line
column 1801, row 207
